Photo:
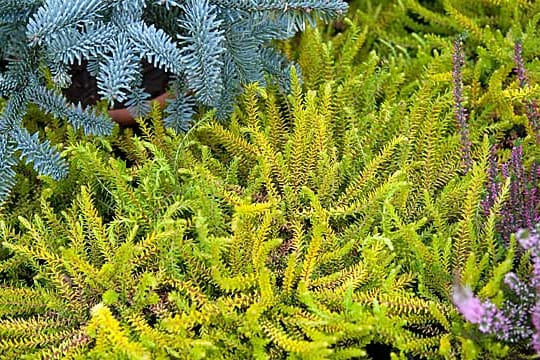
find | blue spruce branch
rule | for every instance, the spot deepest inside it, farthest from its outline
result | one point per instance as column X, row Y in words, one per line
column 45, row 159
column 202, row 47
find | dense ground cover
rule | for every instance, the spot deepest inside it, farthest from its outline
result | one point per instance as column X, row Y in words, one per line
column 383, row 204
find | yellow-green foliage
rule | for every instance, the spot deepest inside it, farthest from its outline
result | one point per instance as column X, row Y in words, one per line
column 248, row 256
column 309, row 226
column 422, row 32
column 401, row 187
column 389, row 136
column 355, row 189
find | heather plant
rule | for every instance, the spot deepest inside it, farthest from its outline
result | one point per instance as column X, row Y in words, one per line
column 439, row 206
column 209, row 48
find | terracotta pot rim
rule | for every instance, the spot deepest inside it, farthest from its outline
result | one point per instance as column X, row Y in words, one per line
column 124, row 118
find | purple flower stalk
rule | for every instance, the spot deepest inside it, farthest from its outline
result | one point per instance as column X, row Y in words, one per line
column 458, row 60
column 521, row 210
column 531, row 107
column 520, row 66
column 493, row 182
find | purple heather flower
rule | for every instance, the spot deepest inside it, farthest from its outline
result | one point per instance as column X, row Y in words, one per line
column 520, row 66
column 531, row 106
column 511, row 323
column 458, row 60
column 518, row 287
column 494, row 321
column 529, row 240
column 467, row 304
